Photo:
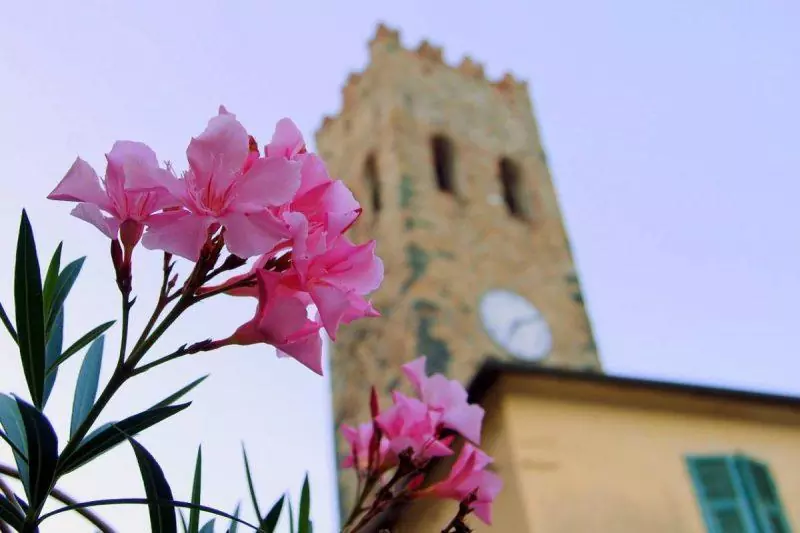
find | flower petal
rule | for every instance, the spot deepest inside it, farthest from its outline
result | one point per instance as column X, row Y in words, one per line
column 271, row 181
column 177, row 232
column 81, row 184
column 287, row 141
column 416, row 373
column 219, row 153
column 92, row 214
column 249, row 234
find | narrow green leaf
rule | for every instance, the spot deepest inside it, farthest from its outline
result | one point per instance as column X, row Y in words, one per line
column 109, row 435
column 51, row 278
column 42, row 448
column 51, row 353
column 208, row 527
column 86, row 388
column 234, row 527
column 80, row 343
column 144, row 501
column 10, row 514
column 304, row 514
column 29, row 311
column 11, row 420
column 172, row 398
column 291, row 515
column 250, row 486
column 183, row 522
column 194, row 514
column 7, row 323
column 64, row 284
column 162, row 517
column 270, row 521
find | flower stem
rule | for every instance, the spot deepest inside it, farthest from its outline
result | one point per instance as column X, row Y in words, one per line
column 64, row 498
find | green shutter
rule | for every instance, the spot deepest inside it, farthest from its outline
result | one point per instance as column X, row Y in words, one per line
column 762, row 494
column 721, row 494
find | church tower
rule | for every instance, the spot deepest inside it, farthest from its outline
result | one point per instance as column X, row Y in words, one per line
column 455, row 187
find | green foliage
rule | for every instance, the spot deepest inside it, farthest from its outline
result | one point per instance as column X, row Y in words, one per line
column 11, row 420
column 42, row 450
column 29, row 309
column 109, row 435
column 194, row 514
column 270, row 522
column 80, row 343
column 10, row 514
column 172, row 398
column 157, row 490
column 52, row 351
column 304, row 514
column 86, row 388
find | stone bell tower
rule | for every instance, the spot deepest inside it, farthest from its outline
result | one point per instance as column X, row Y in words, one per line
column 451, row 173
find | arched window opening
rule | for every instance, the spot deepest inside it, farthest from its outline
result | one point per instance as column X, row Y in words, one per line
column 373, row 183
column 512, row 187
column 443, row 162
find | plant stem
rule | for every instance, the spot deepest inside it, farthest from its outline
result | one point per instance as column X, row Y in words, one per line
column 358, row 505
column 123, row 343
column 64, row 498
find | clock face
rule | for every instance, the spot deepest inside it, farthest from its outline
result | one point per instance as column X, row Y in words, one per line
column 515, row 324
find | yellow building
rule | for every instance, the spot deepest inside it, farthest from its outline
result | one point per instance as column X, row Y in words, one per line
column 450, row 169
column 591, row 453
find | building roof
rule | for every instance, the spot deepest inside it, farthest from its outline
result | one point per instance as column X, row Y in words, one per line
column 492, row 369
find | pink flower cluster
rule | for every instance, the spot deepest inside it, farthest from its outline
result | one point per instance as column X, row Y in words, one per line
column 415, row 430
column 281, row 207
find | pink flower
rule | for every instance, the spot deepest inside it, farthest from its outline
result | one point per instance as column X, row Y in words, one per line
column 334, row 272
column 410, row 425
column 468, row 478
column 360, row 439
column 448, row 398
column 127, row 162
column 323, row 201
column 281, row 320
column 226, row 186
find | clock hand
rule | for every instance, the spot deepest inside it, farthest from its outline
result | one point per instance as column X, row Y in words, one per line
column 518, row 323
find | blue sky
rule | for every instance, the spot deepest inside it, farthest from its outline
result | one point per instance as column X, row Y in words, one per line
column 671, row 128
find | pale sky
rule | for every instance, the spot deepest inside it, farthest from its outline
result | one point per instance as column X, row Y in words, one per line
column 671, row 128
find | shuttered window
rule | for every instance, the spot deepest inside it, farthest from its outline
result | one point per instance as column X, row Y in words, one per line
column 737, row 495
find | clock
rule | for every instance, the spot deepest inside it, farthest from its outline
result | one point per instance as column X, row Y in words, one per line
column 515, row 324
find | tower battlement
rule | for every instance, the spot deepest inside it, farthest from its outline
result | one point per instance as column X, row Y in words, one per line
column 431, row 57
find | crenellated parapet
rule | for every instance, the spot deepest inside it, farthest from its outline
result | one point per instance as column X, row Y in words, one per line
column 386, row 45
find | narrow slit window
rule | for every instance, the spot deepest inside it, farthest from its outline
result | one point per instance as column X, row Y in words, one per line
column 512, row 187
column 443, row 162
column 373, row 183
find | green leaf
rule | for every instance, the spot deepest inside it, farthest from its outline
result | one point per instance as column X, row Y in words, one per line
column 86, row 388
column 80, row 343
column 250, row 486
column 234, row 527
column 291, row 516
column 10, row 514
column 109, row 435
column 51, row 353
column 7, row 323
column 162, row 517
column 194, row 514
column 169, row 400
column 11, row 420
column 208, row 527
column 29, row 311
column 183, row 522
column 64, row 284
column 51, row 278
column 42, row 448
column 270, row 521
column 144, row 501
column 304, row 514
